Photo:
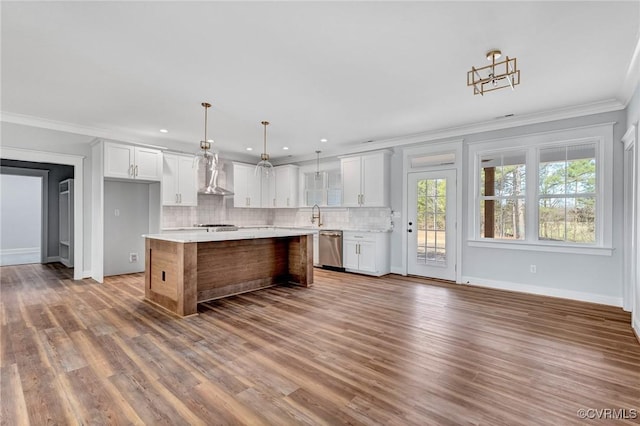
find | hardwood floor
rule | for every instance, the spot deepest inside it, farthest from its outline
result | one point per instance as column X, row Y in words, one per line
column 351, row 349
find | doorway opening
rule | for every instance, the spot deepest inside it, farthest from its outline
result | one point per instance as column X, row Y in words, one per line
column 21, row 220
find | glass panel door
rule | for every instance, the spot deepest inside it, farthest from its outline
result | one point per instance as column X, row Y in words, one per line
column 431, row 227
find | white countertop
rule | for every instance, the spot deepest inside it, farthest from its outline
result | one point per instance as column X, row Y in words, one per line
column 241, row 234
column 313, row 229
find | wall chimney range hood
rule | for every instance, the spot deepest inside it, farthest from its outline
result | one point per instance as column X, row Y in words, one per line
column 212, row 168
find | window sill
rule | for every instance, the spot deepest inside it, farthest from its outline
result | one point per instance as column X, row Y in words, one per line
column 553, row 248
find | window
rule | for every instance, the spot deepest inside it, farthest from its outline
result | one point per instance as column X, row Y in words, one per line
column 324, row 189
column 502, row 195
column 314, row 188
column 547, row 191
column 567, row 194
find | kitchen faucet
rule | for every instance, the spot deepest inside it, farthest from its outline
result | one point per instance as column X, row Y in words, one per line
column 313, row 215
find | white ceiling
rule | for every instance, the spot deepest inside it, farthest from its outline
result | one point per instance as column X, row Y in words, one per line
column 346, row 71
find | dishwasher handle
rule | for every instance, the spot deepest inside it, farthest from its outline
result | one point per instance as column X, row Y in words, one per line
column 330, row 234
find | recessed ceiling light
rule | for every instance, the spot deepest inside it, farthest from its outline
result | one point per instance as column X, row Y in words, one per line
column 323, row 140
column 249, row 149
column 285, row 148
column 164, row 131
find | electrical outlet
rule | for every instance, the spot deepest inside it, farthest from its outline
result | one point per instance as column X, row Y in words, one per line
column 532, row 269
column 133, row 257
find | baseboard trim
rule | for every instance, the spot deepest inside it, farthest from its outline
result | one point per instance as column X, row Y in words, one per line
column 544, row 291
column 22, row 250
column 398, row 270
column 52, row 259
column 636, row 327
column 20, row 256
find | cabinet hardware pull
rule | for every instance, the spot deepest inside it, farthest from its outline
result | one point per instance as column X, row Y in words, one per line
column 176, row 198
column 136, row 170
column 131, row 170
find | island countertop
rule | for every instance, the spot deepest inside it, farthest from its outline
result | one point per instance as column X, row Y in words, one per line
column 241, row 234
column 185, row 268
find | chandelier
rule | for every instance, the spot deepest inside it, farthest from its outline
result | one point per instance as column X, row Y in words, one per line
column 498, row 75
column 318, row 176
column 264, row 165
column 209, row 161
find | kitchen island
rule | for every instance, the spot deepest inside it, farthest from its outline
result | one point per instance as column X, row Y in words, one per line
column 183, row 269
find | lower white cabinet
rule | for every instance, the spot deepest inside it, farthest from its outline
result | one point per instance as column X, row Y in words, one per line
column 316, row 249
column 366, row 252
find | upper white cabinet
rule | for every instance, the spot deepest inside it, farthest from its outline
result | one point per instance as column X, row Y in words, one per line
column 247, row 187
column 286, row 186
column 179, row 180
column 366, row 252
column 251, row 189
column 268, row 189
column 132, row 162
column 365, row 180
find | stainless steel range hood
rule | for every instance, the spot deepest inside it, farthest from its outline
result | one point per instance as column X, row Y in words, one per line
column 212, row 169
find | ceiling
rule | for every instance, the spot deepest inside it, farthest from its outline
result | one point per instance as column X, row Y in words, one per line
column 349, row 72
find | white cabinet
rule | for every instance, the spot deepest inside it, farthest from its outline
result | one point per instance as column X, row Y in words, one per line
column 179, row 180
column 247, row 187
column 252, row 189
column 365, row 180
column 366, row 252
column 286, row 186
column 65, row 211
column 132, row 162
column 268, row 189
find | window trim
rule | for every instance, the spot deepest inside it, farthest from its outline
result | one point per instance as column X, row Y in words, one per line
column 601, row 134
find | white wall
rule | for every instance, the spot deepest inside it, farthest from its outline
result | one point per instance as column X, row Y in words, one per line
column 20, row 219
column 45, row 140
column 123, row 232
column 633, row 118
column 586, row 277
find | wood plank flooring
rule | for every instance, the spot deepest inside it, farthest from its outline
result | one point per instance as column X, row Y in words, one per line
column 349, row 350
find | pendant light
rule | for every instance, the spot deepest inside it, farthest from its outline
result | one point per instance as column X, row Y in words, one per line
column 318, row 176
column 264, row 165
column 209, row 161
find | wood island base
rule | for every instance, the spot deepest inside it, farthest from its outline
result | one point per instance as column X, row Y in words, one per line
column 179, row 275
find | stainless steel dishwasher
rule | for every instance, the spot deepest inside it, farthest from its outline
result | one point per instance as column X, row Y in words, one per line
column 330, row 247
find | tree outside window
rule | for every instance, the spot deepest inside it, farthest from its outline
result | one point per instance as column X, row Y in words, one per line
column 502, row 195
column 567, row 194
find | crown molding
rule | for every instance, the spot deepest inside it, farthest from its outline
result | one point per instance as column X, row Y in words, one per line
column 45, row 123
column 400, row 141
column 632, row 77
column 458, row 132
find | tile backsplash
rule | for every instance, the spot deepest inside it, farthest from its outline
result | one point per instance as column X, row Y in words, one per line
column 215, row 209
